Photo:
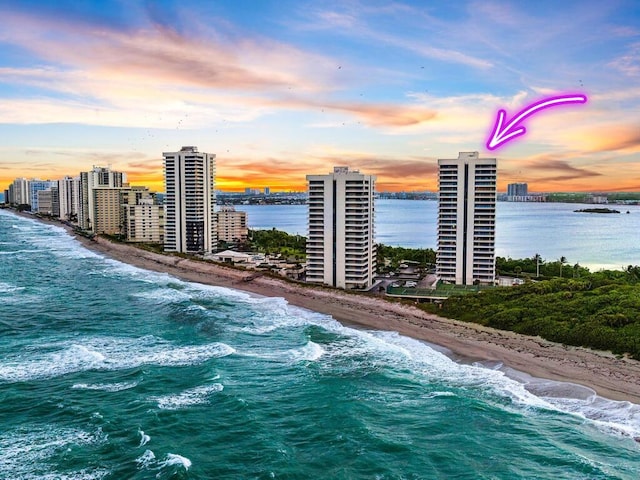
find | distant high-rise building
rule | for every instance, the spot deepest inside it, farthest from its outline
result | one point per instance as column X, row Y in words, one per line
column 467, row 219
column 231, row 225
column 340, row 245
column 517, row 190
column 190, row 199
column 20, row 194
column 107, row 217
column 45, row 202
column 267, row 190
column 35, row 185
column 99, row 177
column 69, row 197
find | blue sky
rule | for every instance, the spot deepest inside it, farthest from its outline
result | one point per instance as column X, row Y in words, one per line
column 282, row 89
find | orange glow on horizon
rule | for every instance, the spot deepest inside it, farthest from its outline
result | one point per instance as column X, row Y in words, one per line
column 296, row 183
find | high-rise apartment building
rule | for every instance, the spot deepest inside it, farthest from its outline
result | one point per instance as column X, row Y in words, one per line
column 467, row 220
column 99, row 177
column 69, row 197
column 36, row 185
column 231, row 225
column 142, row 217
column 189, row 178
column 517, row 190
column 107, row 216
column 45, row 202
column 20, row 194
column 340, row 245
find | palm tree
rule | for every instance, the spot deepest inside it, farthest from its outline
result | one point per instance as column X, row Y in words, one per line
column 562, row 261
column 538, row 259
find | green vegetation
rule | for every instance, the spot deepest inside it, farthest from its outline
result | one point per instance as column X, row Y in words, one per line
column 567, row 197
column 526, row 268
column 425, row 257
column 276, row 241
column 599, row 310
column 597, row 210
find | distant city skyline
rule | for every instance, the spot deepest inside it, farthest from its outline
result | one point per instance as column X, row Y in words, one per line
column 280, row 89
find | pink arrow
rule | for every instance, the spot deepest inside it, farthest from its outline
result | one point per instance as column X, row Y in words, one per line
column 502, row 134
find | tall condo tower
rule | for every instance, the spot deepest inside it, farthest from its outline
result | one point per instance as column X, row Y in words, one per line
column 467, row 220
column 340, row 245
column 98, row 178
column 189, row 178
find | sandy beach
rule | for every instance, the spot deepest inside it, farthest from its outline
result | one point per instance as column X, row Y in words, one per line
column 609, row 376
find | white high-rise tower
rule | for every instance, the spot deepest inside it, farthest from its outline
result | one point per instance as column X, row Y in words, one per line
column 340, row 247
column 467, row 220
column 190, row 199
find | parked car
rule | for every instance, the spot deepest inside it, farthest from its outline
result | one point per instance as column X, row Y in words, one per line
column 410, row 284
column 395, row 285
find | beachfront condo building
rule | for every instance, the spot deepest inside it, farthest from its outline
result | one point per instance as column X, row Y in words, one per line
column 19, row 192
column 99, row 177
column 466, row 220
column 231, row 225
column 190, row 199
column 142, row 216
column 340, row 244
column 36, row 185
column 107, row 219
column 69, row 197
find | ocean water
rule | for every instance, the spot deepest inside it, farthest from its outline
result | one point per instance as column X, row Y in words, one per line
column 522, row 229
column 112, row 372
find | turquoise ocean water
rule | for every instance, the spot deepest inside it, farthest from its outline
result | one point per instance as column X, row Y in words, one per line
column 109, row 371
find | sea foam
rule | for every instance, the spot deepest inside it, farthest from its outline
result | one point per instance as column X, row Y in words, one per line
column 103, row 353
column 29, row 452
column 188, row 398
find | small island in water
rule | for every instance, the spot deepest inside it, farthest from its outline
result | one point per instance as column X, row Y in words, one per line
column 597, row 210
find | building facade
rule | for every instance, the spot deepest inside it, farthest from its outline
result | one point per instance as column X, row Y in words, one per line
column 189, row 178
column 142, row 217
column 517, row 190
column 231, row 225
column 35, row 186
column 467, row 219
column 340, row 244
column 99, row 177
column 45, row 202
column 107, row 217
column 20, row 193
column 69, row 196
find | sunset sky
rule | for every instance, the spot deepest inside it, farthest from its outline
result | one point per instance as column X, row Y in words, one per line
column 281, row 89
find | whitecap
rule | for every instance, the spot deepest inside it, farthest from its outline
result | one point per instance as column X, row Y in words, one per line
column 173, row 459
column 146, row 460
column 27, row 452
column 144, row 439
column 439, row 394
column 188, row 398
column 100, row 353
column 106, row 387
column 9, row 288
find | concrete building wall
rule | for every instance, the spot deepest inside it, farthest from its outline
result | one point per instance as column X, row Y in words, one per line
column 340, row 242
column 466, row 219
column 231, row 225
column 98, row 177
column 189, row 201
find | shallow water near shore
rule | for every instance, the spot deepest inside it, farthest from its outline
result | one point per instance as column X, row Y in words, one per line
column 110, row 371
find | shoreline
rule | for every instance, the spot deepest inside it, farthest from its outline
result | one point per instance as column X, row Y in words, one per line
column 609, row 376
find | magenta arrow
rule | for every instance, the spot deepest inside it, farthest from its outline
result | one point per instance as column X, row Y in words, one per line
column 502, row 134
